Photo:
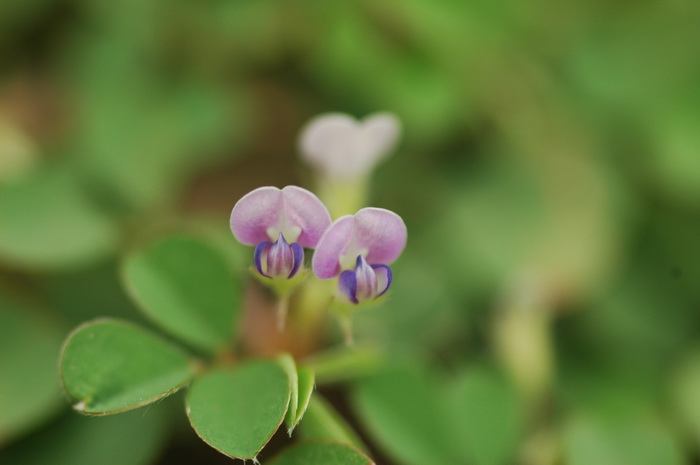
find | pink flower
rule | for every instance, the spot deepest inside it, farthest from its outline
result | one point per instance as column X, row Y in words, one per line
column 358, row 248
column 280, row 223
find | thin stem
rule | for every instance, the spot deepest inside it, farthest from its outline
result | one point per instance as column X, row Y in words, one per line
column 346, row 325
column 282, row 310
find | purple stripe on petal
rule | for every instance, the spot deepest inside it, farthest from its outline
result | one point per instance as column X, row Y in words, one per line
column 332, row 245
column 260, row 255
column 298, row 258
column 347, row 283
column 384, row 277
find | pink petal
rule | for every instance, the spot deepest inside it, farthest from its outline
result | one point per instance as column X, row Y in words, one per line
column 377, row 234
column 263, row 213
column 305, row 210
column 332, row 245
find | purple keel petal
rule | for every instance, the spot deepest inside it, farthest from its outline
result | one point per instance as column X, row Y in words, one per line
column 298, row 258
column 325, row 262
column 347, row 283
column 261, row 257
column 384, row 277
column 280, row 258
column 366, row 280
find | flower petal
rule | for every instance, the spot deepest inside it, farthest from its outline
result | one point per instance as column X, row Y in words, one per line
column 384, row 277
column 325, row 262
column 381, row 232
column 263, row 213
column 366, row 280
column 254, row 213
column 342, row 147
column 306, row 211
column 261, row 251
column 347, row 283
column 298, row 258
column 375, row 233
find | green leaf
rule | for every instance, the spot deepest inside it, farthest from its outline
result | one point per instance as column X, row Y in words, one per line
column 29, row 390
column 628, row 440
column 109, row 366
column 289, row 366
column 685, row 387
column 236, row 411
column 301, row 382
column 322, row 421
column 133, row 438
column 187, row 287
column 344, row 363
column 307, row 383
column 486, row 419
column 49, row 222
column 400, row 408
column 321, row 453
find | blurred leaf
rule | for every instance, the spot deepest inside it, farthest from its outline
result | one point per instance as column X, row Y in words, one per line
column 321, row 453
column 685, row 386
column 674, row 162
column 344, row 363
column 29, row 390
column 611, row 59
column 400, row 408
column 322, row 421
column 143, row 133
column 186, row 286
column 48, row 221
column 421, row 310
column 88, row 293
column 132, row 438
column 406, row 83
column 237, row 411
column 485, row 418
column 631, row 440
column 108, row 366
column 16, row 15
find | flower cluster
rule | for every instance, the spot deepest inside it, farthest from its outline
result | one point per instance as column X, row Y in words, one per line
column 356, row 249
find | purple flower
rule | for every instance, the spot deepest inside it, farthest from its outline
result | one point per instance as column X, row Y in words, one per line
column 359, row 248
column 280, row 223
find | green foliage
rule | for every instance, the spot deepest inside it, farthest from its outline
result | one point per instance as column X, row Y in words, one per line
column 323, row 422
column 236, row 411
column 109, row 366
column 50, row 221
column 401, row 409
column 549, row 155
column 321, row 453
column 185, row 286
column 29, row 388
column 74, row 439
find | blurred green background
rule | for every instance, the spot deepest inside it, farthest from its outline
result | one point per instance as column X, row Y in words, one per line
column 551, row 152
